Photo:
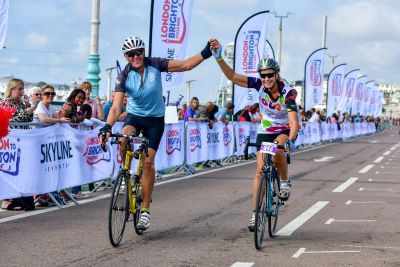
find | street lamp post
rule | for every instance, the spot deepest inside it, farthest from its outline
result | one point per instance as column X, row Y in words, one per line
column 280, row 34
column 188, row 83
column 93, row 69
column 333, row 59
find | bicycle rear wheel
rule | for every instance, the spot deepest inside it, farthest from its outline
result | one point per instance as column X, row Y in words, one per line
column 136, row 215
column 118, row 212
column 261, row 215
column 275, row 203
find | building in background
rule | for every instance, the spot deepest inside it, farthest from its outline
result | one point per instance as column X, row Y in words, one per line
column 226, row 86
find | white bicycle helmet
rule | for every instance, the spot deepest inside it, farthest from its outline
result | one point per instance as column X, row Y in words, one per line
column 132, row 43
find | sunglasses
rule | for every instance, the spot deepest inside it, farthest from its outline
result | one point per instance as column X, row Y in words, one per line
column 49, row 93
column 267, row 75
column 137, row 52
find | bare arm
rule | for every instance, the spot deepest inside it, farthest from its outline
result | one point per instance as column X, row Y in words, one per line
column 185, row 65
column 294, row 125
column 43, row 118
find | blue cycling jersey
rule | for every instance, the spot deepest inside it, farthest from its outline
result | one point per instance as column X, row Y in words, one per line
column 144, row 97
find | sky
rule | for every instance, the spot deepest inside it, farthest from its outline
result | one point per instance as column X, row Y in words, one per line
column 49, row 40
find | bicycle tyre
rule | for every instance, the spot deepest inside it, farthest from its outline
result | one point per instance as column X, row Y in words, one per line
column 275, row 204
column 261, row 209
column 136, row 215
column 118, row 213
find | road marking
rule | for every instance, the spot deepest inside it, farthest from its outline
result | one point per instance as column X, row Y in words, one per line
column 323, row 159
column 387, row 153
column 373, row 141
column 348, row 202
column 344, row 185
column 397, row 248
column 292, row 226
column 242, row 264
column 379, row 159
column 331, row 220
column 386, row 172
column 392, row 148
column 374, row 189
column 302, row 251
column 370, row 179
column 366, row 168
column 36, row 212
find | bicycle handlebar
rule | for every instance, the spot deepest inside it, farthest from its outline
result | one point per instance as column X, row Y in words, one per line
column 248, row 144
column 131, row 139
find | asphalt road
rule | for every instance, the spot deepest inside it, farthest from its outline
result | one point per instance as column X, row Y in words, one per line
column 344, row 211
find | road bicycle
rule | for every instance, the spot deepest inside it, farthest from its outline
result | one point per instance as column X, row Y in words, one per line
column 268, row 201
column 126, row 197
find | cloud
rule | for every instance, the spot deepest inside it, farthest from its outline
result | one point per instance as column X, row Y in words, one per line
column 82, row 46
column 10, row 60
column 36, row 40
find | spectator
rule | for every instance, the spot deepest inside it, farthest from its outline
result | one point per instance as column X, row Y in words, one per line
column 212, row 109
column 182, row 111
column 70, row 108
column 13, row 97
column 255, row 114
column 45, row 113
column 36, row 96
column 314, row 116
column 97, row 107
column 222, row 114
column 190, row 113
column 244, row 114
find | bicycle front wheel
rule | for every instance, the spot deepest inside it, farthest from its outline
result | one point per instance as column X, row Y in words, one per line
column 118, row 212
column 275, row 203
column 261, row 215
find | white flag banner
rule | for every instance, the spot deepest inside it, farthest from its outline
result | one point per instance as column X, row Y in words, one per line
column 374, row 100
column 348, row 88
column 335, row 88
column 378, row 109
column 169, row 34
column 3, row 21
column 357, row 105
column 367, row 98
column 249, row 50
column 314, row 78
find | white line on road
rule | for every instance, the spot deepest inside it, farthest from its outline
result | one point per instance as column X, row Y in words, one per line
column 36, row 212
column 392, row 148
column 348, row 202
column 379, row 159
column 366, row 168
column 289, row 228
column 324, row 159
column 331, row 220
column 344, row 185
column 374, row 189
column 303, row 251
column 242, row 264
column 373, row 141
column 370, row 179
column 373, row 247
column 387, row 153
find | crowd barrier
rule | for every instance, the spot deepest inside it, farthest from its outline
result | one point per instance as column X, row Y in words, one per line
column 42, row 160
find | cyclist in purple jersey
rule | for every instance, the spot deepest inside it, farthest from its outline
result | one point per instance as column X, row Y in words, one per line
column 141, row 81
column 278, row 110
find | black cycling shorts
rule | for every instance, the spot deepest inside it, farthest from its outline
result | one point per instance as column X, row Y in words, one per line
column 152, row 128
column 270, row 138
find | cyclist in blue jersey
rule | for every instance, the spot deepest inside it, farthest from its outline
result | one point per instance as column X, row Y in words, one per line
column 141, row 81
column 278, row 108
